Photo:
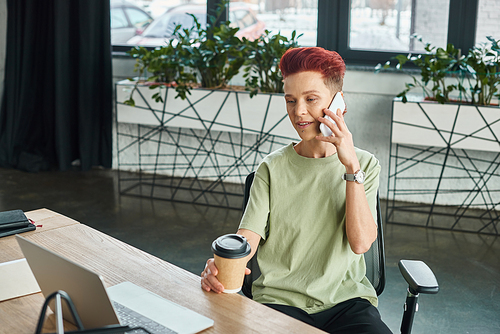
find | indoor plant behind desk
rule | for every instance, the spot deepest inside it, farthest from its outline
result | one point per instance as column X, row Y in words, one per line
column 185, row 98
column 444, row 143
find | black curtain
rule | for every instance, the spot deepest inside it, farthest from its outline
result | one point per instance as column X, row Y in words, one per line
column 57, row 102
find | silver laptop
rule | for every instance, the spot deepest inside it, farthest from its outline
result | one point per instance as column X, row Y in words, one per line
column 124, row 303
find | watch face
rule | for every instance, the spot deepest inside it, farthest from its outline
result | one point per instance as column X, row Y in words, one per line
column 360, row 176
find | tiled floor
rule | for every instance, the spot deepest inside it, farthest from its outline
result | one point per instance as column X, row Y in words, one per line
column 467, row 265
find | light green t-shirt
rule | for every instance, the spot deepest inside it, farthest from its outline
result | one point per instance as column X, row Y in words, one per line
column 297, row 206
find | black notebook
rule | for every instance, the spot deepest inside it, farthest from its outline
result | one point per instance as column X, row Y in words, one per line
column 13, row 222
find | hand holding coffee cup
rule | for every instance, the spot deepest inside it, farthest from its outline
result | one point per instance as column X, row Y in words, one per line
column 231, row 253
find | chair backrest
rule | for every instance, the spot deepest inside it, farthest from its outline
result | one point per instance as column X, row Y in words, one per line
column 374, row 258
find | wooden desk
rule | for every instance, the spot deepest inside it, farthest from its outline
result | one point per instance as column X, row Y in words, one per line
column 117, row 262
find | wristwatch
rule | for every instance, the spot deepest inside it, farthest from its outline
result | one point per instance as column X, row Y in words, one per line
column 358, row 177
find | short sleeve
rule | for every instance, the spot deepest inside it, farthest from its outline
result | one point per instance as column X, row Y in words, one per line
column 256, row 215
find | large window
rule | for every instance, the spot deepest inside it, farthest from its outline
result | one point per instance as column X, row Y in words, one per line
column 364, row 32
column 387, row 25
column 252, row 17
column 127, row 20
column 285, row 16
column 368, row 32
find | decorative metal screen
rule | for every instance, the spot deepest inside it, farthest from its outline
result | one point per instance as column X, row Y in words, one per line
column 451, row 184
column 206, row 161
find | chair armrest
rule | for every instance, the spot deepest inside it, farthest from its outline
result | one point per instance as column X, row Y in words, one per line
column 419, row 277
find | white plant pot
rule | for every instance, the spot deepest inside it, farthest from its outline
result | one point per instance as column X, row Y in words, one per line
column 206, row 109
column 439, row 125
column 197, row 150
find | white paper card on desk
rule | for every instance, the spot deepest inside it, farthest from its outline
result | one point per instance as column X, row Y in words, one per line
column 16, row 280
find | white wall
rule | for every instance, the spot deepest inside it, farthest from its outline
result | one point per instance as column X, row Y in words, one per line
column 369, row 104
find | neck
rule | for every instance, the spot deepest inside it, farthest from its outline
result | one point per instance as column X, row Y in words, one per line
column 315, row 149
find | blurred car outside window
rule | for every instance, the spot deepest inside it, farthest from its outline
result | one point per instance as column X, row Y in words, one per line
column 251, row 16
column 127, row 20
column 285, row 16
column 160, row 31
column 164, row 26
column 138, row 18
column 156, row 8
column 242, row 18
column 118, row 18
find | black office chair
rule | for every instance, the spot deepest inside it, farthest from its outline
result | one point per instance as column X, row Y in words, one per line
column 417, row 274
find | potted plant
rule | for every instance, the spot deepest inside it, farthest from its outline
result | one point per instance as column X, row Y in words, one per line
column 456, row 107
column 199, row 61
column 164, row 69
column 198, row 56
column 482, row 66
column 444, row 142
column 208, row 58
column 479, row 68
column 214, row 53
column 183, row 119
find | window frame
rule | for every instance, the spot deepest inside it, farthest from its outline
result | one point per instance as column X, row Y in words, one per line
column 333, row 30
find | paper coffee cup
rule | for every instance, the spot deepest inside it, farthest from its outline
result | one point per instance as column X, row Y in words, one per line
column 231, row 253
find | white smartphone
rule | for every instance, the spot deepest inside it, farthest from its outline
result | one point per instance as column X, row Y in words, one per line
column 337, row 103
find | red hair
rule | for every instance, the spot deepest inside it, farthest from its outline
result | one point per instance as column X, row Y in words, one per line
column 329, row 63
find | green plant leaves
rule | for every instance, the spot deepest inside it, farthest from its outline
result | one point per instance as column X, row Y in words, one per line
column 213, row 52
column 479, row 68
column 212, row 56
column 262, row 71
column 130, row 102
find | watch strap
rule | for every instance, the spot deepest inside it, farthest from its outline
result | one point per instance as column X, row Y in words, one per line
column 358, row 176
column 348, row 177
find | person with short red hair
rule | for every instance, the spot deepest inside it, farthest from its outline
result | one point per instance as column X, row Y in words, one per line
column 329, row 64
column 312, row 209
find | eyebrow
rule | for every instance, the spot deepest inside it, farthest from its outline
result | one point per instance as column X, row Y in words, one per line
column 304, row 93
column 310, row 91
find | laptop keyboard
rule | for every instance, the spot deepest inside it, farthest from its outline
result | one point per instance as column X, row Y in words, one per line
column 133, row 319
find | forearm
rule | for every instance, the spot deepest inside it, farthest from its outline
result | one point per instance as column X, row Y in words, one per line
column 252, row 238
column 361, row 229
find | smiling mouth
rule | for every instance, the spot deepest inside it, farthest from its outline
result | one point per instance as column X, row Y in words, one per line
column 303, row 125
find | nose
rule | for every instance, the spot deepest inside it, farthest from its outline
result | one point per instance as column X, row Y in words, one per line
column 300, row 109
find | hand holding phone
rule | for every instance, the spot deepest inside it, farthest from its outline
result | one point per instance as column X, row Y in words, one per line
column 337, row 103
